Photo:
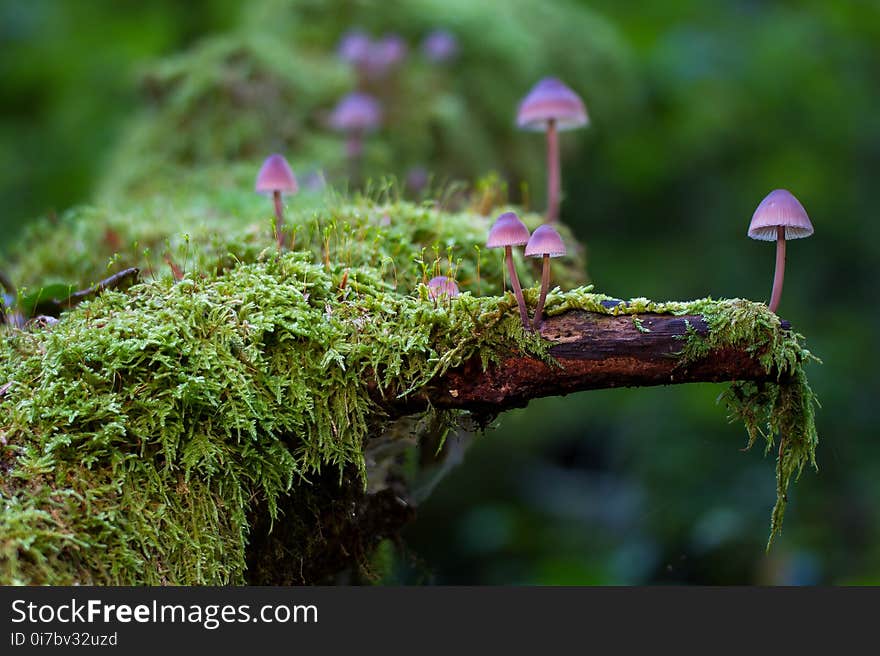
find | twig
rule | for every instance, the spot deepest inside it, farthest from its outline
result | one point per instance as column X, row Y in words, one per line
column 54, row 307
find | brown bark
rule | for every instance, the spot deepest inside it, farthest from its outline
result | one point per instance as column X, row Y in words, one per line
column 592, row 351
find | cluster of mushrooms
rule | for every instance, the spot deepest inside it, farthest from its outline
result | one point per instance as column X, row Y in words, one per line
column 373, row 61
column 549, row 107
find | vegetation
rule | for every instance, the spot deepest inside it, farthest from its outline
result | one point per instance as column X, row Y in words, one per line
column 652, row 169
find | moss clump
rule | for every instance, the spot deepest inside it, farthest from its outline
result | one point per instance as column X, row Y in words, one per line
column 142, row 429
column 211, row 220
column 153, row 434
column 783, row 411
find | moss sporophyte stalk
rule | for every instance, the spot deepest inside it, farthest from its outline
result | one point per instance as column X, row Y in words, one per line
column 141, row 431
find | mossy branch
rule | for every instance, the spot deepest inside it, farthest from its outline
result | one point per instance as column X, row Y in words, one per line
column 590, row 350
column 609, row 343
column 260, row 392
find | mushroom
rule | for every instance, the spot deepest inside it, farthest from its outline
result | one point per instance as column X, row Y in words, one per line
column 442, row 286
column 440, row 46
column 354, row 115
column 508, row 231
column 276, row 177
column 354, row 47
column 780, row 216
column 551, row 106
column 385, row 55
column 545, row 243
column 417, row 179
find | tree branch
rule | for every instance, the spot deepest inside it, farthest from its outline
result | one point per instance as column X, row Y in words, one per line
column 592, row 351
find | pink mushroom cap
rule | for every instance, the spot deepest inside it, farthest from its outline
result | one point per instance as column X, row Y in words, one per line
column 276, row 175
column 550, row 99
column 393, row 49
column 440, row 46
column 507, row 230
column 780, row 209
column 354, row 47
column 545, row 241
column 442, row 286
column 386, row 54
column 356, row 112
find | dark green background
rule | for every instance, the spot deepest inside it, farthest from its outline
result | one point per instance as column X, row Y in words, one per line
column 725, row 101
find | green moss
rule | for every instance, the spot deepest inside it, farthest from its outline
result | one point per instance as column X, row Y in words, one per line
column 783, row 411
column 145, row 431
column 143, row 427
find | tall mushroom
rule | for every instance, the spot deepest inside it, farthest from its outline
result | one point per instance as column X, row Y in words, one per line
column 545, row 243
column 508, row 231
column 552, row 107
column 276, row 177
column 780, row 216
column 355, row 115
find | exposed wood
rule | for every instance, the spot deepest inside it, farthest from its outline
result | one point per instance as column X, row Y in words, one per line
column 592, row 351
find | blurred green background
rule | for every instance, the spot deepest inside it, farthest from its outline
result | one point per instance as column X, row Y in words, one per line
column 698, row 110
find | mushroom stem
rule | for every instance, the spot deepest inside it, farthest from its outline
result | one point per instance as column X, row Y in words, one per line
column 545, row 286
column 517, row 290
column 279, row 218
column 780, row 269
column 553, row 176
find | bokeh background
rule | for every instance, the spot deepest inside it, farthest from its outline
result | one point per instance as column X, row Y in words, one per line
column 698, row 110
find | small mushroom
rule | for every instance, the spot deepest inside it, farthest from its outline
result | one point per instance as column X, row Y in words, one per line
column 551, row 107
column 440, row 46
column 442, row 286
column 354, row 47
column 780, row 216
column 544, row 243
column 382, row 56
column 276, row 178
column 386, row 54
column 355, row 115
column 508, row 231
